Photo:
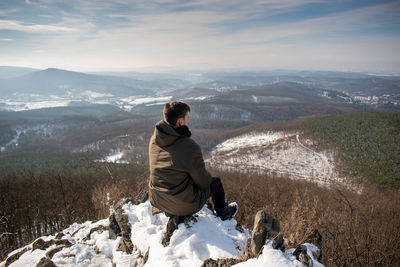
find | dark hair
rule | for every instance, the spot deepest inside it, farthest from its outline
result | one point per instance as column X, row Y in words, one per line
column 175, row 110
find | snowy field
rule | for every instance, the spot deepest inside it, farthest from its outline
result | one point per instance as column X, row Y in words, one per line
column 209, row 237
column 30, row 102
column 277, row 153
column 129, row 103
column 22, row 102
column 30, row 105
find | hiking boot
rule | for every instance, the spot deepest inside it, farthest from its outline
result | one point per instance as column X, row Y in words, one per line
column 228, row 211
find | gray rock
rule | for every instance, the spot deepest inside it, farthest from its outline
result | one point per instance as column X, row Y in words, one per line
column 41, row 244
column 265, row 227
column 51, row 253
column 142, row 197
column 45, row 262
column 63, row 242
column 123, row 201
column 172, row 225
column 15, row 257
column 301, row 255
column 220, row 262
column 59, row 235
column 120, row 226
column 113, row 227
column 126, row 246
column 278, row 242
column 100, row 228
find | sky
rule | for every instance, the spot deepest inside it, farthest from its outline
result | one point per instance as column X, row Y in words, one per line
column 89, row 35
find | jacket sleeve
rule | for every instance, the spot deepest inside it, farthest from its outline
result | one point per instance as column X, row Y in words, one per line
column 197, row 169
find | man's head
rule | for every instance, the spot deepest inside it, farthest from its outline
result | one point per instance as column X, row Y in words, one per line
column 176, row 113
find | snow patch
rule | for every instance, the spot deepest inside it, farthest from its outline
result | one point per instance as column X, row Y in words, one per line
column 249, row 140
column 145, row 100
column 95, row 94
column 275, row 153
column 199, row 98
column 114, row 158
column 130, row 102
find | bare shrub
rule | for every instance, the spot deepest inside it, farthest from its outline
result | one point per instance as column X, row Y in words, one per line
column 106, row 194
column 357, row 229
column 302, row 219
column 35, row 203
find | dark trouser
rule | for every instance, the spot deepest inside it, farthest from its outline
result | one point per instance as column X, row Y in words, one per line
column 217, row 193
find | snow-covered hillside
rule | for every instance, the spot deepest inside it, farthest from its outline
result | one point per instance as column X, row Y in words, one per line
column 276, row 153
column 89, row 244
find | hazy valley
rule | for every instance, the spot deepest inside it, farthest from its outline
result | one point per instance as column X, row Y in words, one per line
column 111, row 115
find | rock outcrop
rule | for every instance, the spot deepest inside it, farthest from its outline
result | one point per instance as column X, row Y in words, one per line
column 119, row 226
column 42, row 245
column 265, row 227
column 133, row 235
column 119, row 221
column 15, row 257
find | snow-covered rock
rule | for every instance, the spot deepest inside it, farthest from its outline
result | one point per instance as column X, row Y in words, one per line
column 89, row 243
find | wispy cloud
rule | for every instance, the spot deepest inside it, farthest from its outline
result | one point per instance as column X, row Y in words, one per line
column 32, row 28
column 6, row 39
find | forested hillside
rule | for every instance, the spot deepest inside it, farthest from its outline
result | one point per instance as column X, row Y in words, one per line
column 369, row 143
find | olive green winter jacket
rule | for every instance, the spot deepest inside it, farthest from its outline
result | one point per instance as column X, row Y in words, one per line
column 179, row 183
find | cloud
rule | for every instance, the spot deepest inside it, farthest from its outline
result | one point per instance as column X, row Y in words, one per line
column 207, row 26
column 193, row 31
column 6, row 39
column 125, row 33
column 33, row 28
column 357, row 22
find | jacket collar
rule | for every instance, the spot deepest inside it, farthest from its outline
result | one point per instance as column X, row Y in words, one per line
column 166, row 135
column 183, row 130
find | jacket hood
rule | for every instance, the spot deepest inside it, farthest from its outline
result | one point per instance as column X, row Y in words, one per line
column 165, row 134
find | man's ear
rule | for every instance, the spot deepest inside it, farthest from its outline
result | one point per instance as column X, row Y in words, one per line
column 179, row 122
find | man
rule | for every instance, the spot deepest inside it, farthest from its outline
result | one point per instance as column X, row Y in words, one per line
column 179, row 182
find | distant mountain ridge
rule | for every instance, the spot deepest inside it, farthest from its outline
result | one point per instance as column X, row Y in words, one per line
column 10, row 72
column 59, row 82
column 56, row 87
